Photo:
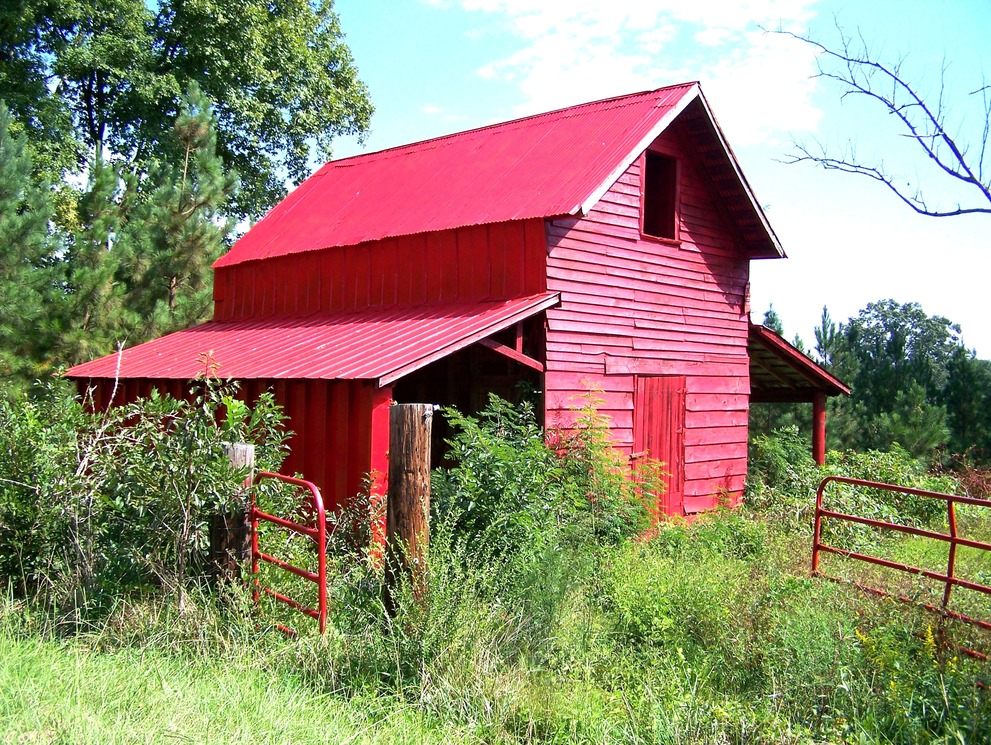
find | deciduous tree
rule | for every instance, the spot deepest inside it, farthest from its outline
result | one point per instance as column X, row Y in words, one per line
column 104, row 79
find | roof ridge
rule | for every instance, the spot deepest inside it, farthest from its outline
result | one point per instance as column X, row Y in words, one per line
column 432, row 142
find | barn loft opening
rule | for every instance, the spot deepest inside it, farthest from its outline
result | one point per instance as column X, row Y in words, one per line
column 660, row 192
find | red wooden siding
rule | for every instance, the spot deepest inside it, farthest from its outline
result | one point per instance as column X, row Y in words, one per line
column 633, row 306
column 340, row 427
column 489, row 261
column 659, row 433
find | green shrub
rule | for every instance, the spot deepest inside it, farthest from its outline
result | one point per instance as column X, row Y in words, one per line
column 783, row 480
column 549, row 616
column 510, row 493
column 98, row 506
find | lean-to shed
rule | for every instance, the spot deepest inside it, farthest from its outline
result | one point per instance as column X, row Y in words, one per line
column 603, row 247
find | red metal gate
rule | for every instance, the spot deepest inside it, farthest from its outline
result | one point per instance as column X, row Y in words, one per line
column 315, row 528
column 948, row 579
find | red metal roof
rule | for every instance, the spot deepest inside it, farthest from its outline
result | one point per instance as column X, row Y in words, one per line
column 779, row 372
column 382, row 344
column 548, row 165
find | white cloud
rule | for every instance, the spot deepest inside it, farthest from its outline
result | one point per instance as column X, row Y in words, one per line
column 579, row 50
column 763, row 88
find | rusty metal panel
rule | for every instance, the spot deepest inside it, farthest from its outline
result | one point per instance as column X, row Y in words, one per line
column 540, row 166
column 376, row 344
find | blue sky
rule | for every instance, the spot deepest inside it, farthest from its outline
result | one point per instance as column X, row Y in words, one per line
column 439, row 66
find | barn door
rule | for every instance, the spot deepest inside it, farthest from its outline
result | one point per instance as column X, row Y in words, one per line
column 659, row 433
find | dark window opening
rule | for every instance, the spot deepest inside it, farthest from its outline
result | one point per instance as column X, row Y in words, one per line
column 660, row 194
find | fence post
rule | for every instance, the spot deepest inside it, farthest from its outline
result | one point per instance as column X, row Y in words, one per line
column 408, row 501
column 819, row 428
column 230, row 531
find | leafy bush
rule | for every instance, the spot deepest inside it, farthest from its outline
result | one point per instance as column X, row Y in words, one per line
column 783, row 480
column 98, row 505
column 549, row 616
column 512, row 493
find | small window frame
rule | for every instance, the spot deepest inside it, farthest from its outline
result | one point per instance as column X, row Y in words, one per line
column 660, row 192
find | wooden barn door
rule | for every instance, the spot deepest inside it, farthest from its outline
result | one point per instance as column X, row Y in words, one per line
column 659, row 433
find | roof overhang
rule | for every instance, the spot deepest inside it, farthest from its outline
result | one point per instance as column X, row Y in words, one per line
column 380, row 344
column 743, row 207
column 781, row 373
column 663, row 123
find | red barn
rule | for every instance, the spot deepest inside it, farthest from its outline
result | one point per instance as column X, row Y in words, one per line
column 604, row 246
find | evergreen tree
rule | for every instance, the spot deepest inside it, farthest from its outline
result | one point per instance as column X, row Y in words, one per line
column 25, row 281
column 968, row 404
column 896, row 360
column 93, row 313
column 180, row 230
column 773, row 321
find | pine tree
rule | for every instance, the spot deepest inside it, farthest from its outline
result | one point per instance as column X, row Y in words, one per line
column 25, row 209
column 773, row 321
column 968, row 403
column 93, row 315
column 180, row 231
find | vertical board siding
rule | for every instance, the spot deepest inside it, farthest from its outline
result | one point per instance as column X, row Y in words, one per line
column 333, row 424
column 655, row 307
column 659, row 434
column 479, row 262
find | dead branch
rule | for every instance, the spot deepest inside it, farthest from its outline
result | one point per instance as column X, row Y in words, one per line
column 859, row 73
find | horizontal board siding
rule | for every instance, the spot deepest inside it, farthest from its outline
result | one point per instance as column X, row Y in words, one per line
column 653, row 307
column 473, row 263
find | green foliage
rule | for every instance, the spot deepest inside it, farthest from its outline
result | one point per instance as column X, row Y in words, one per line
column 511, row 491
column 132, row 262
column 139, row 263
column 138, row 134
column 178, row 230
column 24, row 215
column 95, row 80
column 897, row 361
column 967, row 398
column 783, row 479
column 707, row 632
column 96, row 506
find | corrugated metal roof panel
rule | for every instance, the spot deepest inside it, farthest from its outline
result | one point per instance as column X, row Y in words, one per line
column 780, row 372
column 376, row 344
column 540, row 166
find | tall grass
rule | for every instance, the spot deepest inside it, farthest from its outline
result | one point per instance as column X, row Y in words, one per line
column 65, row 692
column 549, row 617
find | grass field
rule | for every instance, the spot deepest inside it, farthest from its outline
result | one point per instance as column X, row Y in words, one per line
column 709, row 633
column 556, row 611
column 54, row 692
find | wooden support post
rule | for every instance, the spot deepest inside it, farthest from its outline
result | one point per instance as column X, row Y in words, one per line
column 230, row 531
column 819, row 428
column 408, row 503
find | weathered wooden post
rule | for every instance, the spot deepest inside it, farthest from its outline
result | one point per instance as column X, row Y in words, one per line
column 408, row 502
column 230, row 531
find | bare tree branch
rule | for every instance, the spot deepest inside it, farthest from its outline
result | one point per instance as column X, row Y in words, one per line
column 859, row 73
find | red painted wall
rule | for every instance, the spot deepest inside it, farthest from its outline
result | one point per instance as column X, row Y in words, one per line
column 340, row 427
column 641, row 306
column 631, row 306
column 487, row 261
